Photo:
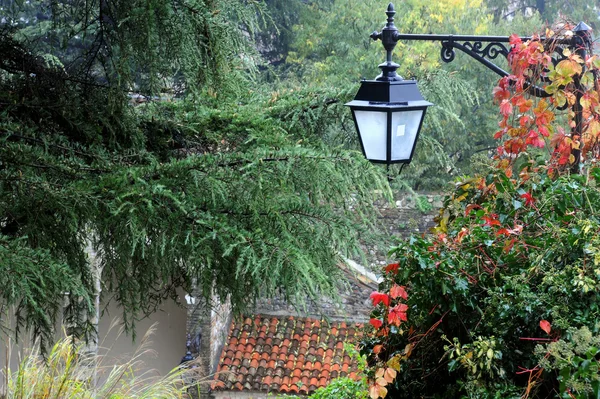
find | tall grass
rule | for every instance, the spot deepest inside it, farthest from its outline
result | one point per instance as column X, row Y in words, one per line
column 68, row 374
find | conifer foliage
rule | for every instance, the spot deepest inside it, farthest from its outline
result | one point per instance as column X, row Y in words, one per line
column 222, row 186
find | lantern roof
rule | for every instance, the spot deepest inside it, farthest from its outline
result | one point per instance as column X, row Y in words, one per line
column 389, row 93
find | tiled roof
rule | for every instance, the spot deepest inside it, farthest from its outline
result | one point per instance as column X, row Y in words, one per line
column 285, row 354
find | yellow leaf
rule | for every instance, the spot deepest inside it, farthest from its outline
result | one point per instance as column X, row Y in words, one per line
column 575, row 145
column 408, row 350
column 577, row 58
column 394, row 363
column 461, row 198
column 568, row 68
column 594, row 128
column 585, row 102
column 382, row 392
column 514, row 132
column 560, row 98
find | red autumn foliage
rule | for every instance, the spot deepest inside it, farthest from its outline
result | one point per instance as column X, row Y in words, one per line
column 545, row 325
column 392, row 268
column 397, row 314
column 491, row 220
column 528, row 121
column 376, row 323
column 529, row 200
column 398, row 291
column 378, row 297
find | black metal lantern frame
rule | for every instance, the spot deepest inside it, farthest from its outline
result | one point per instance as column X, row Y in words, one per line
column 400, row 108
column 388, row 112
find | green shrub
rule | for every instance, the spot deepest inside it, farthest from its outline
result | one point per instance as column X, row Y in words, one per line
column 503, row 301
column 575, row 359
column 342, row 388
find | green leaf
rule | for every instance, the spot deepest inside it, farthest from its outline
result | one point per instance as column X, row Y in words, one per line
column 517, row 204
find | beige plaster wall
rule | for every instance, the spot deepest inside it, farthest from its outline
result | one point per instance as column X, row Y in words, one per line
column 167, row 342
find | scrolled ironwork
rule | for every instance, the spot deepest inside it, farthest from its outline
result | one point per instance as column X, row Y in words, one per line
column 491, row 51
column 447, row 53
column 475, row 49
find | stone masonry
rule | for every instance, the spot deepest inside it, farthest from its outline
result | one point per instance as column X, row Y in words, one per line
column 408, row 214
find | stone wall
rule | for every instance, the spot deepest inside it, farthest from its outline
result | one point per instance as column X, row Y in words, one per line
column 408, row 214
column 220, row 321
column 353, row 305
column 207, row 327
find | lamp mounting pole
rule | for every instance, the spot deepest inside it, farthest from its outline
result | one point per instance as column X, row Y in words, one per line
column 389, row 38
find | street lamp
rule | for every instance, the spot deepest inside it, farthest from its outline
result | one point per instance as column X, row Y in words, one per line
column 388, row 112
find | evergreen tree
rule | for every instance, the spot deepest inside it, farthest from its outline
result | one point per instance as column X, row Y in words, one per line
column 229, row 187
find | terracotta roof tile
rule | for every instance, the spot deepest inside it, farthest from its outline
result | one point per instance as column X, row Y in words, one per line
column 287, row 354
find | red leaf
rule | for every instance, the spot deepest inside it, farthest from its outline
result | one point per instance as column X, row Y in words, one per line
column 397, row 314
column 461, row 234
column 508, row 245
column 398, row 291
column 392, row 267
column 376, row 323
column 524, row 120
column 470, row 207
column 491, row 220
column 500, row 93
column 545, row 325
column 534, row 139
column 529, row 200
column 506, row 108
column 502, row 232
column 514, row 39
column 378, row 297
column 522, row 103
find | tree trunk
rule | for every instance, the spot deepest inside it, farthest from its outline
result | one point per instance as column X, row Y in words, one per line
column 90, row 347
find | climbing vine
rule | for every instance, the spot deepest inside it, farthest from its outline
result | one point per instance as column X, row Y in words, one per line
column 501, row 301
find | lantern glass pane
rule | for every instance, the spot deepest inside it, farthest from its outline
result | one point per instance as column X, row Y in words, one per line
column 372, row 127
column 405, row 126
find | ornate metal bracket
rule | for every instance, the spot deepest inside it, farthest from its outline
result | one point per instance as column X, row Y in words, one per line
column 481, row 48
column 477, row 51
